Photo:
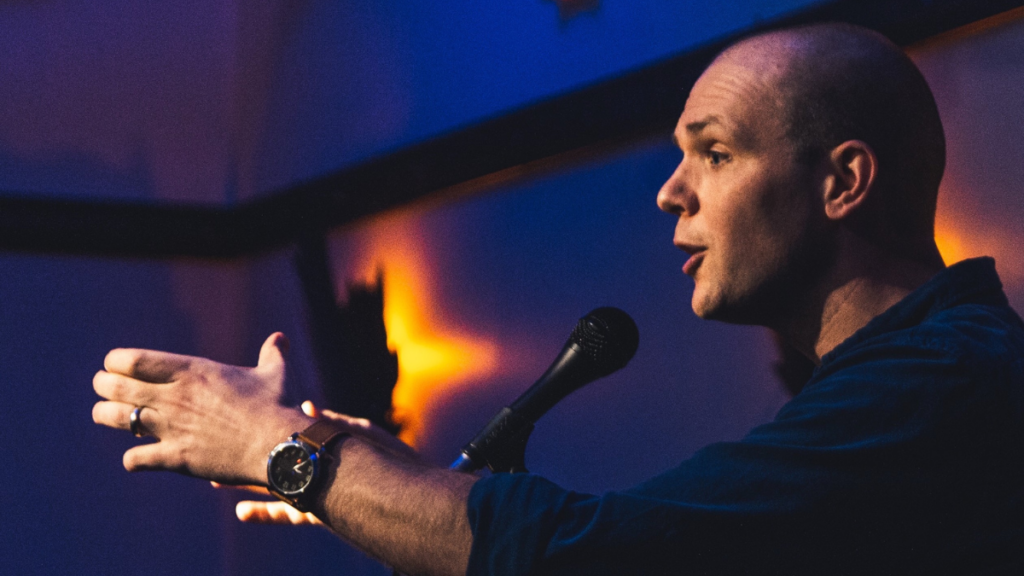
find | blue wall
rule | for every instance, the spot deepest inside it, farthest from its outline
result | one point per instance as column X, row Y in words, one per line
column 218, row 101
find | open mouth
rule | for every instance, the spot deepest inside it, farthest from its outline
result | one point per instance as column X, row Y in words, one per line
column 696, row 253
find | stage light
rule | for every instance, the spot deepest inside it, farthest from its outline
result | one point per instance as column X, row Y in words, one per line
column 434, row 352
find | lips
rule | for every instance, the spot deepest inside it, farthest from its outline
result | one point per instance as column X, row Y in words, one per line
column 696, row 257
column 690, row 267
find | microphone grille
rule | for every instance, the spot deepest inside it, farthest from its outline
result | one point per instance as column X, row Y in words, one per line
column 608, row 336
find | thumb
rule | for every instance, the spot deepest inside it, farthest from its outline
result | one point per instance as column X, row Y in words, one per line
column 273, row 351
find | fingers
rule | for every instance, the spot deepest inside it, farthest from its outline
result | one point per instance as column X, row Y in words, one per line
column 246, row 487
column 273, row 513
column 350, row 420
column 366, row 429
column 309, row 409
column 122, row 388
column 146, row 365
column 155, row 456
column 118, row 414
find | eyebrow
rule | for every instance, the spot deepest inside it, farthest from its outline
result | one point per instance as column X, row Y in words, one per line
column 736, row 133
column 695, row 128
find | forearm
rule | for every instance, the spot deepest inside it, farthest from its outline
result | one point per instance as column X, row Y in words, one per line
column 410, row 515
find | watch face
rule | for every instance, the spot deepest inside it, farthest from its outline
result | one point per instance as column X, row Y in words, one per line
column 291, row 468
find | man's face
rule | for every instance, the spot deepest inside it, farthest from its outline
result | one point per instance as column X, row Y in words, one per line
column 746, row 207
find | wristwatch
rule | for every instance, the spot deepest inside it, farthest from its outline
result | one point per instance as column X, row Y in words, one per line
column 294, row 467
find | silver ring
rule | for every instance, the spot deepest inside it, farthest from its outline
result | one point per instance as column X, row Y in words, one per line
column 135, row 422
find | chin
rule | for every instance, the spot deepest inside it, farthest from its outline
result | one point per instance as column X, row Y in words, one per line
column 704, row 306
column 719, row 308
column 710, row 301
column 712, row 313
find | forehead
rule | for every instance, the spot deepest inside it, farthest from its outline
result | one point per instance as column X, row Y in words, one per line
column 738, row 95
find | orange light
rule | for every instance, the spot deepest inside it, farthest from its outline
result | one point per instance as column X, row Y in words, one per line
column 949, row 241
column 433, row 352
column 966, row 228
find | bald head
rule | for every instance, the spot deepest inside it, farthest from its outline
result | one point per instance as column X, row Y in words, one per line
column 838, row 82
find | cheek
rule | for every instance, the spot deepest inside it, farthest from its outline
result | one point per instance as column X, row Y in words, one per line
column 762, row 222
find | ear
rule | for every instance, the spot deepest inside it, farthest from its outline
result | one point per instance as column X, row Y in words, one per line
column 852, row 169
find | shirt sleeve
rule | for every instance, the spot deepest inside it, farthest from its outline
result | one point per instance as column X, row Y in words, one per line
column 856, row 468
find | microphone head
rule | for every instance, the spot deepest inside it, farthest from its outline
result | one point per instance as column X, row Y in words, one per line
column 608, row 336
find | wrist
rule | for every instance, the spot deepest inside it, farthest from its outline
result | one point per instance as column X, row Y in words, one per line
column 287, row 423
column 296, row 467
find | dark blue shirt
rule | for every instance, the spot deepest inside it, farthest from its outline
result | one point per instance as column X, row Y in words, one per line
column 902, row 455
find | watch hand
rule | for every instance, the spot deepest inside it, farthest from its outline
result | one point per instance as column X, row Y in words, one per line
column 299, row 465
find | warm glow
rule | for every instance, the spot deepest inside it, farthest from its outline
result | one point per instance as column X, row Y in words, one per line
column 950, row 242
column 433, row 353
column 966, row 229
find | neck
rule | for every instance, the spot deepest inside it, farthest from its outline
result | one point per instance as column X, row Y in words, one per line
column 865, row 282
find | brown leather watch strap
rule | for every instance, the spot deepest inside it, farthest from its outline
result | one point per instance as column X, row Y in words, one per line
column 321, row 432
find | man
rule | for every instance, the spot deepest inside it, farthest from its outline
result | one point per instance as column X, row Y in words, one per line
column 805, row 197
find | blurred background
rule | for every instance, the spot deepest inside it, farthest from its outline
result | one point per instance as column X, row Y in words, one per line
column 473, row 177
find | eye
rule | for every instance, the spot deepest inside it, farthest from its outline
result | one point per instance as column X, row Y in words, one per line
column 717, row 158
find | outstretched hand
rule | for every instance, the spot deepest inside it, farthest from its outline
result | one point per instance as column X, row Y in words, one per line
column 220, row 422
column 209, row 420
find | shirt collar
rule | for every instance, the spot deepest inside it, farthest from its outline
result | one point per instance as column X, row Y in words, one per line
column 970, row 281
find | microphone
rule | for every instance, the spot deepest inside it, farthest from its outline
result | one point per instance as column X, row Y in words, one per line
column 601, row 343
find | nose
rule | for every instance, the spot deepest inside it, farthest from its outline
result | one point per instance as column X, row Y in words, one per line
column 676, row 195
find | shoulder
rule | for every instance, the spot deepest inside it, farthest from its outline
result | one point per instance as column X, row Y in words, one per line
column 981, row 333
column 959, row 371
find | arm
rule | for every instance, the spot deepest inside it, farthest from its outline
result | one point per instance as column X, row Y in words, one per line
column 278, row 512
column 403, row 512
column 219, row 422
